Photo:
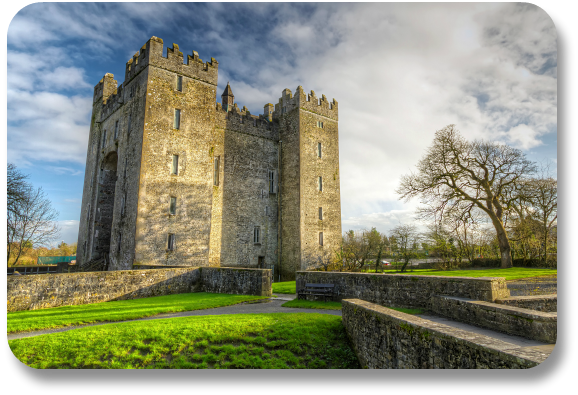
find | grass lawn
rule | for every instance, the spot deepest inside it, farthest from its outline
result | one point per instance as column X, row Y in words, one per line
column 285, row 287
column 315, row 304
column 512, row 273
column 256, row 341
column 119, row 310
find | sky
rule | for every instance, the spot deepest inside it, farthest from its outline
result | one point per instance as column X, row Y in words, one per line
column 400, row 71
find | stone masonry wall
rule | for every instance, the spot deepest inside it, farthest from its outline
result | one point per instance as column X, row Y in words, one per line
column 33, row 292
column 545, row 303
column 400, row 290
column 513, row 320
column 388, row 339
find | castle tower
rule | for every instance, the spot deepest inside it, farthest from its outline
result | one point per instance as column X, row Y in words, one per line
column 228, row 99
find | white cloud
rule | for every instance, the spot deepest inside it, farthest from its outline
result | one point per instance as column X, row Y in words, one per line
column 523, row 137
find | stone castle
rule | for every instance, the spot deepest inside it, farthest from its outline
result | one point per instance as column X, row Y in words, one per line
column 174, row 178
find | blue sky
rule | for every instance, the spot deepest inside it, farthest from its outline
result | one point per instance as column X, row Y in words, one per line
column 399, row 72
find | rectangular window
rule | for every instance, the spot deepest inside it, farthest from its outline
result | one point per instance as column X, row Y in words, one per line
column 116, row 130
column 216, row 171
column 128, row 127
column 104, row 139
column 180, row 83
column 320, row 213
column 320, row 184
column 84, row 248
column 271, row 181
column 125, row 166
column 173, row 206
column 122, row 204
column 118, row 243
column 175, row 166
column 267, row 211
column 171, row 244
column 257, row 235
column 320, row 124
column 320, row 238
column 319, row 150
column 177, row 120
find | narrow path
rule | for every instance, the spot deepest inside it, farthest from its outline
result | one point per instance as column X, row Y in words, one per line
column 272, row 305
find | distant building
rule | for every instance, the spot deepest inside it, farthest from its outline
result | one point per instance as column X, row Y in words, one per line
column 175, row 178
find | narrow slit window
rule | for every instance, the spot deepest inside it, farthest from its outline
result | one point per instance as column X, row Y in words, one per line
column 320, row 238
column 180, row 83
column 173, row 206
column 175, row 166
column 216, row 171
column 267, row 211
column 84, row 248
column 104, row 139
column 171, row 243
column 88, row 213
column 257, row 235
column 125, row 166
column 321, row 213
column 319, row 150
column 271, row 181
column 122, row 204
column 119, row 242
column 116, row 130
column 177, row 120
column 320, row 183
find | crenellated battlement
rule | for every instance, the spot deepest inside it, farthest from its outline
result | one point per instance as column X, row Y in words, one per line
column 105, row 87
column 306, row 101
column 152, row 54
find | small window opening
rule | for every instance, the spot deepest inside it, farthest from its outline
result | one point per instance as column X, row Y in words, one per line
column 320, row 238
column 118, row 243
column 271, row 181
column 116, row 130
column 180, row 83
column 321, row 213
column 125, row 166
column 320, row 183
column 257, row 235
column 319, row 150
column 177, row 120
column 84, row 248
column 175, row 166
column 123, row 204
column 216, row 171
column 173, row 206
column 104, row 139
column 171, row 243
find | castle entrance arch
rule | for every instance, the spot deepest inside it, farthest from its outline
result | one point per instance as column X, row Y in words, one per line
column 105, row 206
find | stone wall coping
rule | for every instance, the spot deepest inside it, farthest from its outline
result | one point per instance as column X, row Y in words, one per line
column 484, row 279
column 473, row 339
column 239, row 268
column 506, row 309
column 528, row 297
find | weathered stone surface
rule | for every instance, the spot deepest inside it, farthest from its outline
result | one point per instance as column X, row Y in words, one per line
column 405, row 290
column 546, row 303
column 387, row 339
column 518, row 321
column 33, row 292
column 129, row 184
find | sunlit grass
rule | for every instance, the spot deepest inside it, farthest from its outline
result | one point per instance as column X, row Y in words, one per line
column 285, row 287
column 512, row 273
column 254, row 341
column 313, row 304
column 119, row 310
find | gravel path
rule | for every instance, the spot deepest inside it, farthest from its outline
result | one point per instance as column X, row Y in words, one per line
column 272, row 305
column 533, row 286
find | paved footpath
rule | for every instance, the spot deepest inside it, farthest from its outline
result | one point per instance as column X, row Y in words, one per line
column 272, row 305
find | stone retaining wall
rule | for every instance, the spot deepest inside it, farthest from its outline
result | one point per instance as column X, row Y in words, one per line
column 387, row 339
column 527, row 323
column 545, row 303
column 52, row 290
column 403, row 290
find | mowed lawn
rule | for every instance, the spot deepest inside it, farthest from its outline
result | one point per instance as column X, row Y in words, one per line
column 285, row 287
column 119, row 310
column 512, row 273
column 256, row 341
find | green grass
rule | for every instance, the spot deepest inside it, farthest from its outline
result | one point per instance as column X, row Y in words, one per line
column 407, row 311
column 512, row 273
column 315, row 304
column 286, row 287
column 119, row 310
column 256, row 341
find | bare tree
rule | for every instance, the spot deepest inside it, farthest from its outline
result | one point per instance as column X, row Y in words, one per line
column 16, row 187
column 407, row 238
column 460, row 175
column 322, row 259
column 31, row 222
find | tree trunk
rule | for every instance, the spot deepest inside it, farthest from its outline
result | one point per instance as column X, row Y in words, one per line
column 504, row 243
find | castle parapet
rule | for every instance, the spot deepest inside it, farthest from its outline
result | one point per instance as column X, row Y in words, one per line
column 105, row 87
column 307, row 102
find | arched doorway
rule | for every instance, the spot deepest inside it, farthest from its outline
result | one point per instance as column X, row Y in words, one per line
column 105, row 205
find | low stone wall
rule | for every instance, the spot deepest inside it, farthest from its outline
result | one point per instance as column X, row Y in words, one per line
column 403, row 290
column 531, row 324
column 387, row 339
column 545, row 303
column 230, row 280
column 53, row 290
